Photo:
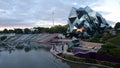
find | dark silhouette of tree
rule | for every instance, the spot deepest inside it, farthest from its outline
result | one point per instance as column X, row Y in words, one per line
column 5, row 31
column 18, row 31
column 117, row 27
column 11, row 31
column 27, row 31
column 37, row 30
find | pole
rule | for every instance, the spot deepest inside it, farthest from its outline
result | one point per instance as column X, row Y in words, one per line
column 53, row 18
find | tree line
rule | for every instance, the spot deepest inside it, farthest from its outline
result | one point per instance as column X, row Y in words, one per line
column 55, row 29
column 37, row 30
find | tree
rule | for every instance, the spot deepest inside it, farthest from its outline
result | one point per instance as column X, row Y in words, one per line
column 27, row 31
column 58, row 29
column 36, row 30
column 18, row 31
column 117, row 27
column 3, row 38
column 11, row 31
column 5, row 31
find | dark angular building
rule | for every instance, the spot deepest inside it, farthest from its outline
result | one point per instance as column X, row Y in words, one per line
column 84, row 22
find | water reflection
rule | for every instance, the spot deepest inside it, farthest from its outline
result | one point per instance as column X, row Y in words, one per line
column 32, row 55
column 26, row 46
column 4, row 47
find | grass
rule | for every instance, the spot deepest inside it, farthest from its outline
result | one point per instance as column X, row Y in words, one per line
column 111, row 46
column 115, row 40
column 85, row 60
column 115, row 52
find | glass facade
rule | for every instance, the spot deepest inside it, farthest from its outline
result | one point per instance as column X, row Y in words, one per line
column 89, row 21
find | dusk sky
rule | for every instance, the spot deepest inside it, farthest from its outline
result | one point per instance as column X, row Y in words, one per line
column 33, row 13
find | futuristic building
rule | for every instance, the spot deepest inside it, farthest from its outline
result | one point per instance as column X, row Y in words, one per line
column 84, row 22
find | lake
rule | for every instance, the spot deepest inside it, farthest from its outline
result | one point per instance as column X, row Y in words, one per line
column 34, row 58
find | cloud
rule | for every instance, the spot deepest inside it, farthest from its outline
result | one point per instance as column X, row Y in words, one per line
column 39, row 12
column 110, row 9
column 48, row 23
column 111, row 23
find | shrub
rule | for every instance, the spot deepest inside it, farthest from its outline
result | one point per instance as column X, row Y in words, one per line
column 115, row 52
column 117, row 66
column 90, row 60
column 3, row 38
column 108, row 45
column 107, row 64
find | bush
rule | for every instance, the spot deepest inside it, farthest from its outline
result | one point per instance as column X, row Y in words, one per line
column 106, row 48
column 71, row 58
column 90, row 60
column 19, row 47
column 3, row 38
column 116, row 40
column 95, row 40
column 115, row 52
column 107, row 64
column 117, row 66
column 69, row 50
column 108, row 45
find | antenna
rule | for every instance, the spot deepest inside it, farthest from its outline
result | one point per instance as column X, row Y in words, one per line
column 53, row 18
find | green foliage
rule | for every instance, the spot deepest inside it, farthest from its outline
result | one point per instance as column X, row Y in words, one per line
column 115, row 52
column 115, row 40
column 37, row 30
column 58, row 29
column 11, row 31
column 103, row 37
column 86, row 60
column 106, row 48
column 108, row 45
column 19, row 47
column 69, row 50
column 107, row 64
column 70, row 58
column 117, row 66
column 3, row 38
column 40, row 30
column 5, row 31
column 27, row 31
column 117, row 25
column 90, row 60
column 18, row 31
column 95, row 40
column 55, row 29
column 73, row 58
column 111, row 49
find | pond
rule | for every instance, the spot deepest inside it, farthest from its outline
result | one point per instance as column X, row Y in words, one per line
column 34, row 58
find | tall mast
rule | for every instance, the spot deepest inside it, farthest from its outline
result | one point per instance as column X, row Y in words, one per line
column 53, row 18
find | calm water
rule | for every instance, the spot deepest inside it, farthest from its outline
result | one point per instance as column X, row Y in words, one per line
column 35, row 58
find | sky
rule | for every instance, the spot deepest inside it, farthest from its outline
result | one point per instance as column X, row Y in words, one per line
column 34, row 13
